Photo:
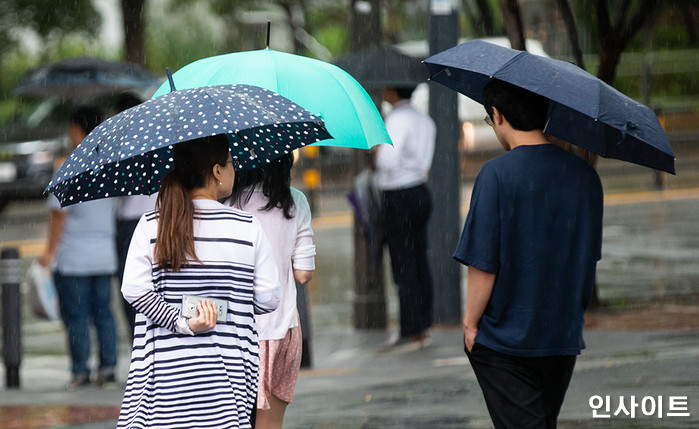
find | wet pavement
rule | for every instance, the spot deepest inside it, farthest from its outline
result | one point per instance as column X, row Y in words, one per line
column 645, row 343
column 654, row 244
column 435, row 387
column 42, row 416
column 352, row 385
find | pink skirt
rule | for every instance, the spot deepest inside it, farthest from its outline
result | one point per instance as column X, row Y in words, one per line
column 280, row 361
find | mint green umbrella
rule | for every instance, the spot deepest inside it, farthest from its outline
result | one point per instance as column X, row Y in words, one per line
column 321, row 88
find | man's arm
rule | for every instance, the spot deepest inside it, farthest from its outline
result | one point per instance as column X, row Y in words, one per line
column 56, row 223
column 373, row 153
column 480, row 287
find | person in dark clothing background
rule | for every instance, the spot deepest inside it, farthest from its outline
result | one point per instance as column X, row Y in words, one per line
column 401, row 173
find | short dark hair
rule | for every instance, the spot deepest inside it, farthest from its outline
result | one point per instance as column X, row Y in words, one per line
column 523, row 109
column 126, row 101
column 87, row 118
column 405, row 92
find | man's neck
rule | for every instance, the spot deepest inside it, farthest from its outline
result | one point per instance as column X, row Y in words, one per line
column 78, row 139
column 400, row 102
column 526, row 138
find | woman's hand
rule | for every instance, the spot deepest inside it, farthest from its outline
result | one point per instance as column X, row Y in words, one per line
column 45, row 259
column 303, row 276
column 206, row 317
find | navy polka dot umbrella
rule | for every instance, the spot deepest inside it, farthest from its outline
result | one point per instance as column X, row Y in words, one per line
column 131, row 152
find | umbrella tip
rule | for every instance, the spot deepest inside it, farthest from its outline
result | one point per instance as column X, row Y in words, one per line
column 269, row 26
column 169, row 79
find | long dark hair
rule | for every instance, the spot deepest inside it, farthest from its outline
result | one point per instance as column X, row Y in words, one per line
column 194, row 162
column 276, row 185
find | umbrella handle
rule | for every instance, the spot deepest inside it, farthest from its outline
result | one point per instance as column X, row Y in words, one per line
column 250, row 150
column 169, row 79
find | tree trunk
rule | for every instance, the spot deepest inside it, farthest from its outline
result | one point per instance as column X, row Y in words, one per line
column 514, row 29
column 608, row 62
column 132, row 11
column 615, row 37
column 294, row 14
column 690, row 25
column 365, row 28
column 486, row 17
column 572, row 31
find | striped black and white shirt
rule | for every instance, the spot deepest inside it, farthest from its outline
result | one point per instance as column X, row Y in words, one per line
column 207, row 380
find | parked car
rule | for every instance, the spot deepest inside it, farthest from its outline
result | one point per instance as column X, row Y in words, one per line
column 30, row 147
column 33, row 145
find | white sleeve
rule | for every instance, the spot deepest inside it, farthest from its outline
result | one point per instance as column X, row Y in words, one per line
column 388, row 157
column 428, row 149
column 137, row 284
column 303, row 255
column 266, row 288
column 52, row 202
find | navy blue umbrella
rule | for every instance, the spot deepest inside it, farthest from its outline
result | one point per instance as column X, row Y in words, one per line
column 131, row 152
column 583, row 111
column 84, row 77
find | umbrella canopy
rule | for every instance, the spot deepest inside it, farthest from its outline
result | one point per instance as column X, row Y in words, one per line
column 322, row 88
column 84, row 77
column 383, row 66
column 131, row 152
column 583, row 110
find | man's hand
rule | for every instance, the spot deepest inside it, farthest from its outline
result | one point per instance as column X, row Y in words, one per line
column 469, row 336
column 57, row 219
column 373, row 152
column 480, row 287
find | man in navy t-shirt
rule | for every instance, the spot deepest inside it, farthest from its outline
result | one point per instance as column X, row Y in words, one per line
column 531, row 241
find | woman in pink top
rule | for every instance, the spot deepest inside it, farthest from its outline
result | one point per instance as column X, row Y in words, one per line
column 285, row 217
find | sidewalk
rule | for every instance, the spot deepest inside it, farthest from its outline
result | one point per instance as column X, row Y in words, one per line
column 435, row 387
column 352, row 385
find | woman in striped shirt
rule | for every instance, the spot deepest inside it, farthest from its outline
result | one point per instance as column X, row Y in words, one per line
column 196, row 372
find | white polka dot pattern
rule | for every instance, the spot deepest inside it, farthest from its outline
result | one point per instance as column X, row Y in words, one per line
column 130, row 153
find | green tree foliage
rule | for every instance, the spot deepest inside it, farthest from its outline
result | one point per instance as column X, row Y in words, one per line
column 670, row 27
column 56, row 23
column 46, row 17
column 330, row 26
column 405, row 20
column 182, row 34
column 481, row 18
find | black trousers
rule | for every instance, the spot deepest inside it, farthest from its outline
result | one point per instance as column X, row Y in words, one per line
column 124, row 232
column 521, row 392
column 405, row 215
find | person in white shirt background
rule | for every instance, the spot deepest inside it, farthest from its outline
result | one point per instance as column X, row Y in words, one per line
column 285, row 217
column 401, row 173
